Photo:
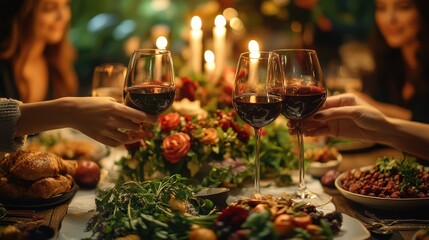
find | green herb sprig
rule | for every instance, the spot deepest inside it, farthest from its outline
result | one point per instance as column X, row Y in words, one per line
column 407, row 167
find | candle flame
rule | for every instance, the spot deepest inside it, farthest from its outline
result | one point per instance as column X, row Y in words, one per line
column 209, row 56
column 220, row 21
column 196, row 23
column 161, row 42
column 254, row 49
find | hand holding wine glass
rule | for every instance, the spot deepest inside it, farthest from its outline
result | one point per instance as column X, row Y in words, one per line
column 149, row 83
column 303, row 95
column 257, row 74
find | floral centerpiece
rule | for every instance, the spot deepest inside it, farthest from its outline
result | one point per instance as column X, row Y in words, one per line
column 190, row 145
column 203, row 138
column 199, row 142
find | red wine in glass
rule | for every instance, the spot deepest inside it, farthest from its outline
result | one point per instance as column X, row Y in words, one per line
column 300, row 102
column 257, row 110
column 152, row 99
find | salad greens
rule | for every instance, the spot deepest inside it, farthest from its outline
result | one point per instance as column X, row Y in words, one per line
column 155, row 209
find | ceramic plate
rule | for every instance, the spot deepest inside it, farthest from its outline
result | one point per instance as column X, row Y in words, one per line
column 352, row 229
column 318, row 169
column 94, row 149
column 40, row 203
column 349, row 145
column 3, row 212
column 379, row 202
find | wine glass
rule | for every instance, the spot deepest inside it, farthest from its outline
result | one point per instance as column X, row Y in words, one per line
column 257, row 73
column 108, row 80
column 304, row 94
column 149, row 83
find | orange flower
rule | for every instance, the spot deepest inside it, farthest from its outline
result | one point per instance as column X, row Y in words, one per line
column 176, row 146
column 169, row 121
column 209, row 136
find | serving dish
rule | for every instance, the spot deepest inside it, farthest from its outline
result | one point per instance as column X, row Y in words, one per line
column 318, row 169
column 217, row 195
column 350, row 145
column 379, row 202
column 40, row 203
column 68, row 144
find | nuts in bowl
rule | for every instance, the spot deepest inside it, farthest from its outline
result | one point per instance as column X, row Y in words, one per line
column 322, row 160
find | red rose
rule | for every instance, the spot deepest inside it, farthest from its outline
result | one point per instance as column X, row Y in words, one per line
column 233, row 217
column 169, row 121
column 188, row 89
column 133, row 147
column 176, row 146
column 209, row 136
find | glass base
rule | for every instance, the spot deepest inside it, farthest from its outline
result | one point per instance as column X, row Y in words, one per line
column 306, row 196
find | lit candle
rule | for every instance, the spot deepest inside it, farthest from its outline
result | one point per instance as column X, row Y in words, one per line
column 219, row 35
column 161, row 43
column 209, row 66
column 196, row 43
column 254, row 55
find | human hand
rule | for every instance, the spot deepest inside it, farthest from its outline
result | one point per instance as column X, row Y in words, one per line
column 101, row 118
column 344, row 115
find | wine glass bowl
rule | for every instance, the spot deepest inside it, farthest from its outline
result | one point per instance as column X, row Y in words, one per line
column 108, row 80
column 304, row 93
column 149, row 83
column 258, row 75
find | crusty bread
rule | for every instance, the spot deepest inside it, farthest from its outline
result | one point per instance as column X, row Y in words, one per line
column 40, row 189
column 35, row 175
column 31, row 166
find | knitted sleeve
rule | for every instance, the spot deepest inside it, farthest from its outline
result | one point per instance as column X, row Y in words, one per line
column 9, row 115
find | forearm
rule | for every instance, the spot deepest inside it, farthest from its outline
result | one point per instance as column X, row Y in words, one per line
column 408, row 136
column 389, row 110
column 43, row 116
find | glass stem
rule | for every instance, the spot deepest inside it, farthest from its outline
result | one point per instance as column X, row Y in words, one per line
column 302, row 188
column 257, row 163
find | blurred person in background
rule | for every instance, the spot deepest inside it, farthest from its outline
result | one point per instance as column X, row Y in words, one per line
column 399, row 86
column 36, row 58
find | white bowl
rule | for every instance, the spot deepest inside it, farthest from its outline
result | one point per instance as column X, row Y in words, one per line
column 379, row 202
column 318, row 169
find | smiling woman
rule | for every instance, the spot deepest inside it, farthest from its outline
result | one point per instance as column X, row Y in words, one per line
column 35, row 55
column 400, row 82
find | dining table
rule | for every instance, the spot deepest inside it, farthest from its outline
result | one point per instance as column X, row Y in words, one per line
column 54, row 216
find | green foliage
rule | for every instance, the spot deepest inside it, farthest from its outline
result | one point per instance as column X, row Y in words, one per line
column 261, row 226
column 406, row 167
column 146, row 209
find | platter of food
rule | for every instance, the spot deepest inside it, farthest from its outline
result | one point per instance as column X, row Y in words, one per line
column 35, row 179
column 40, row 203
column 3, row 211
column 390, row 184
column 67, row 144
column 350, row 145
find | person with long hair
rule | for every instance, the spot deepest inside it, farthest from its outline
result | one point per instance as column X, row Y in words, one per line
column 400, row 83
column 36, row 57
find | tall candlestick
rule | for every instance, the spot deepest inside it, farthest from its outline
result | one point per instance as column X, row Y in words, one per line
column 161, row 43
column 254, row 55
column 210, row 65
column 196, row 44
column 219, row 35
